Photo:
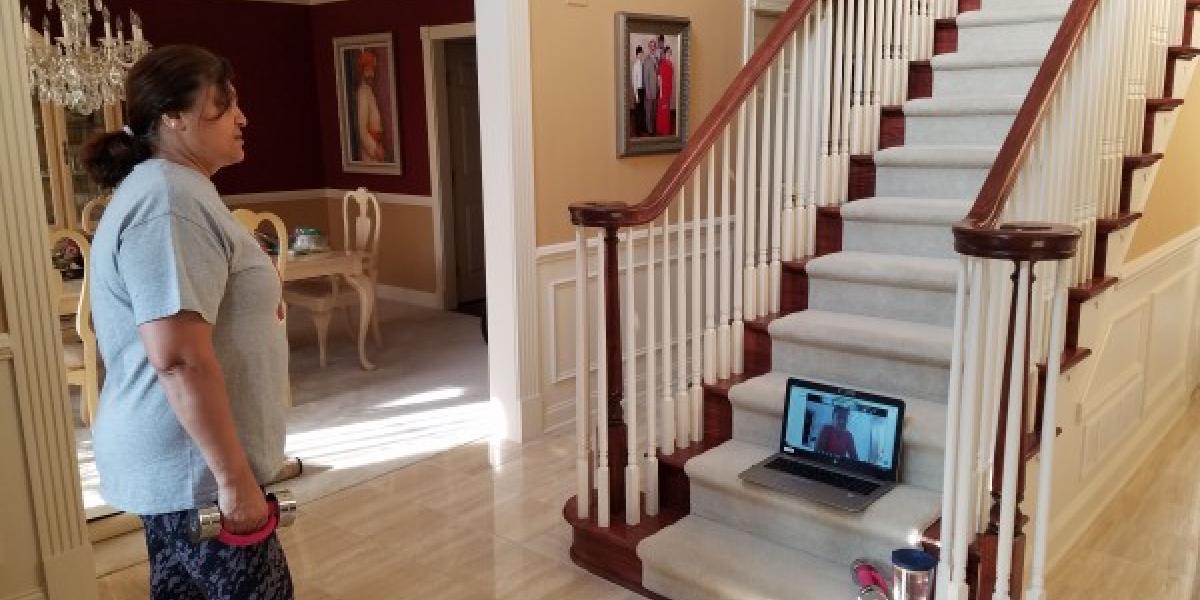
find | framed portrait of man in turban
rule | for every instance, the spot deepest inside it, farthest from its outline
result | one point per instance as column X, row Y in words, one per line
column 366, row 86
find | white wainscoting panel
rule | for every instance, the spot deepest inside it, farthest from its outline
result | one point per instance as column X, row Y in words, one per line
column 1118, row 404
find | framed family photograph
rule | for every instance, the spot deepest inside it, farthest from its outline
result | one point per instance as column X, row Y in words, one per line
column 366, row 89
column 652, row 88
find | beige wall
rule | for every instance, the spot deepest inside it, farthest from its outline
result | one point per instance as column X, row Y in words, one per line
column 1174, row 204
column 406, row 254
column 407, row 249
column 574, row 115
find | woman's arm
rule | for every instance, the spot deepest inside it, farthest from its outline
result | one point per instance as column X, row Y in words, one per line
column 180, row 348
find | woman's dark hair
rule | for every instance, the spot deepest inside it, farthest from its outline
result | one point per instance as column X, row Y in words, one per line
column 168, row 79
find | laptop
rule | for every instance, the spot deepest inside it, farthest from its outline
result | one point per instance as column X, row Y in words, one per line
column 839, row 447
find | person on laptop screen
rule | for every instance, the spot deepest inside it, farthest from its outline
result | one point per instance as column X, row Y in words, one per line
column 834, row 439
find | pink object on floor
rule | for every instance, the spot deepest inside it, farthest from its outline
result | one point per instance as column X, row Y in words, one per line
column 866, row 575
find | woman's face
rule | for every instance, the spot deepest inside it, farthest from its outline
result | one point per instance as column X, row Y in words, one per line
column 211, row 132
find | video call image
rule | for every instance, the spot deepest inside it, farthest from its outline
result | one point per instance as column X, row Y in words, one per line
column 841, row 427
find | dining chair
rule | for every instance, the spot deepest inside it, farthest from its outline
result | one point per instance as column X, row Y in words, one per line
column 322, row 296
column 89, row 217
column 79, row 351
column 252, row 221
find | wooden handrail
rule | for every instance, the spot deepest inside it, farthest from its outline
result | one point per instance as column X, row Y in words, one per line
column 1032, row 242
column 619, row 214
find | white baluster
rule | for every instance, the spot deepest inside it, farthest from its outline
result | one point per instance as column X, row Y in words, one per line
column 668, row 385
column 858, row 29
column 723, row 320
column 872, row 76
column 682, row 402
column 583, row 487
column 651, row 462
column 1012, row 440
column 750, row 277
column 788, row 218
column 696, row 391
column 710, row 275
column 762, row 269
column 828, row 106
column 846, row 30
column 779, row 128
column 603, row 504
column 969, row 400
column 953, row 399
column 737, row 332
column 633, row 488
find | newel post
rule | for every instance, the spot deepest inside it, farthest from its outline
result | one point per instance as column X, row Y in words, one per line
column 618, row 439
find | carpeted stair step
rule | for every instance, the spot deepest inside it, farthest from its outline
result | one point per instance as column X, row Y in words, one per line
column 896, row 520
column 892, row 286
column 1022, row 4
column 960, row 119
column 700, row 559
column 951, row 171
column 913, row 226
column 985, row 74
column 899, row 358
column 1027, row 27
column 758, row 419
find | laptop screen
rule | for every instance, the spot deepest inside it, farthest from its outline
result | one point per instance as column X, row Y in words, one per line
column 848, row 428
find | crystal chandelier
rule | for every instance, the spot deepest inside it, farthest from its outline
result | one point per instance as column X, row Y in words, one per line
column 73, row 71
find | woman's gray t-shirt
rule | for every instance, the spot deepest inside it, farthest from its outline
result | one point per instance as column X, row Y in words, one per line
column 168, row 244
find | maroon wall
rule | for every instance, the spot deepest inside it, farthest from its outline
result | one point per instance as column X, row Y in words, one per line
column 403, row 18
column 283, row 55
column 271, row 51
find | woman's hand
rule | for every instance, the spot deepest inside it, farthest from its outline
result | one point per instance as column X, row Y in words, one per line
column 243, row 508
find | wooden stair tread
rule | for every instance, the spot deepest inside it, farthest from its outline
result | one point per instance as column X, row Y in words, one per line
column 1142, row 161
column 1163, row 104
column 1117, row 222
column 1091, row 289
column 1183, row 52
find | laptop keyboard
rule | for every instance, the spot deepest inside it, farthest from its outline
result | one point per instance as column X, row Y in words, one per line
column 845, row 482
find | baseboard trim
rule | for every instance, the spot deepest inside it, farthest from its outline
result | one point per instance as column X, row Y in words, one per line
column 408, row 296
column 34, row 595
column 1082, row 513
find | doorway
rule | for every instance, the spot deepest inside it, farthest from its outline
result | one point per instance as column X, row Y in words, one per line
column 465, row 193
column 452, row 104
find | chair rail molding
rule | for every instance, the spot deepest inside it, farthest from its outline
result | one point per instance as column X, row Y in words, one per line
column 506, row 140
column 51, row 490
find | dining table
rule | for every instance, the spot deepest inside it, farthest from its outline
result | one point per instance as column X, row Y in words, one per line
column 347, row 265
column 350, row 267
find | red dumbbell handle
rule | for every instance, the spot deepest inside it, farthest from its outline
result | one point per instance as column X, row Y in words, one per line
column 256, row 537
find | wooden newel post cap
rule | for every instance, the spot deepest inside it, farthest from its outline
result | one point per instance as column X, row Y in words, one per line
column 599, row 214
column 1027, row 241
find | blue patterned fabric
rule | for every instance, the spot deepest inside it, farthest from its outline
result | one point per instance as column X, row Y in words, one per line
column 182, row 570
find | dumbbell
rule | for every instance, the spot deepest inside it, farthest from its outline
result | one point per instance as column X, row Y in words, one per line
column 205, row 523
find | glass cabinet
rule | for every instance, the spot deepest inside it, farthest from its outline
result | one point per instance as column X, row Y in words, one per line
column 62, row 135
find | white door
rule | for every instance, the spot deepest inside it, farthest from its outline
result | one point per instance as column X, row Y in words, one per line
column 462, row 107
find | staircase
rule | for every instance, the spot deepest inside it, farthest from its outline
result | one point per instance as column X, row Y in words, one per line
column 880, row 317
column 871, row 304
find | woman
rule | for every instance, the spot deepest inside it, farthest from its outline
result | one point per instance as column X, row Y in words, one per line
column 666, row 74
column 187, row 317
column 834, row 439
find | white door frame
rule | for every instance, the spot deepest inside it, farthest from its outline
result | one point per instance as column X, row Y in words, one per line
column 506, row 144
column 433, row 40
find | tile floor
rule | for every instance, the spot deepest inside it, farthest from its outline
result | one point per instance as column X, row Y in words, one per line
column 484, row 521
